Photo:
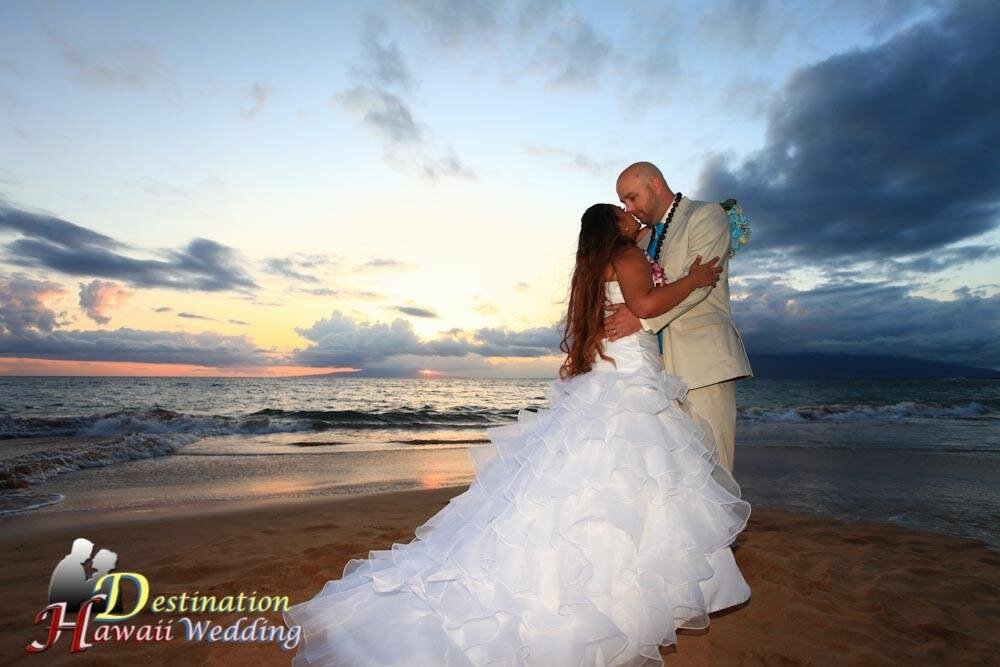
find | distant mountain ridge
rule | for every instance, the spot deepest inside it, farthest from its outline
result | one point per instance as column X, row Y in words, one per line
column 812, row 366
column 800, row 366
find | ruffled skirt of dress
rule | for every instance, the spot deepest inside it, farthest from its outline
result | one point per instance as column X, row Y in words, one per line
column 595, row 529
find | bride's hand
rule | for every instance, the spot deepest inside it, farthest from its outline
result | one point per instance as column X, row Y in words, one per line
column 707, row 274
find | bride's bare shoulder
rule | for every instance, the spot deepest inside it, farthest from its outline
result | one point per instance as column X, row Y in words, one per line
column 627, row 256
column 623, row 258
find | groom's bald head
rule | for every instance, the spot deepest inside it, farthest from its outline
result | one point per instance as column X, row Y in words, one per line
column 641, row 174
column 644, row 191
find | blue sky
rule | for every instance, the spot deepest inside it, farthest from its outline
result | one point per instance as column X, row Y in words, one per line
column 283, row 187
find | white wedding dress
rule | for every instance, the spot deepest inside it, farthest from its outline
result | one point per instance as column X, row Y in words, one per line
column 595, row 529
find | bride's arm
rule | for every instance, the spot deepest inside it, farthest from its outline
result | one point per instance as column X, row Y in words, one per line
column 710, row 237
column 635, row 277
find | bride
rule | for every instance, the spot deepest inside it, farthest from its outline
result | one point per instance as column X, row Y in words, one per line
column 595, row 528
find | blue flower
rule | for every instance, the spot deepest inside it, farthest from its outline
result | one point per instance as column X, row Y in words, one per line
column 739, row 225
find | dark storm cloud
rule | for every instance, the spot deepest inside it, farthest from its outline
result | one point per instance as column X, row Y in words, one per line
column 873, row 318
column 945, row 259
column 882, row 152
column 49, row 242
column 916, row 269
column 762, row 26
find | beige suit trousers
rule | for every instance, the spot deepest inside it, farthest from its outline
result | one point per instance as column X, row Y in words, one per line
column 716, row 404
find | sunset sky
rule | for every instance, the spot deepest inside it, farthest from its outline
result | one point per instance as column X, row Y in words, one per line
column 281, row 188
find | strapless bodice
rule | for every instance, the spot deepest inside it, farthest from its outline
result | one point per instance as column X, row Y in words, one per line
column 613, row 292
column 633, row 352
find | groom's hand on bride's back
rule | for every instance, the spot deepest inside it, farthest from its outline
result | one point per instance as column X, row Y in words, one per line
column 620, row 323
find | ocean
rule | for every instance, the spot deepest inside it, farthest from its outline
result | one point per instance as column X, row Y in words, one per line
column 924, row 454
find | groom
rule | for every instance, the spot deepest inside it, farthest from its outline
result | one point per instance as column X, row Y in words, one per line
column 699, row 342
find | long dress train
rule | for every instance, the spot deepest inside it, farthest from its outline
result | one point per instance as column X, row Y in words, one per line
column 594, row 529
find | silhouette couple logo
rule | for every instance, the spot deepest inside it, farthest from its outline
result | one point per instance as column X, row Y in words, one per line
column 70, row 583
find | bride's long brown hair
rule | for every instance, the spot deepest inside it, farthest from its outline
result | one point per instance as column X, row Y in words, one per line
column 600, row 239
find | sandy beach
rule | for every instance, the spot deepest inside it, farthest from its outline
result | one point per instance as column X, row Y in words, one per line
column 824, row 592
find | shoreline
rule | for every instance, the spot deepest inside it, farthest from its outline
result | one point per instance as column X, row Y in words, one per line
column 28, row 523
column 853, row 592
column 31, row 523
column 948, row 492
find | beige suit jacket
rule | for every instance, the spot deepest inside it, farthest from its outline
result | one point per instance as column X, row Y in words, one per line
column 700, row 342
